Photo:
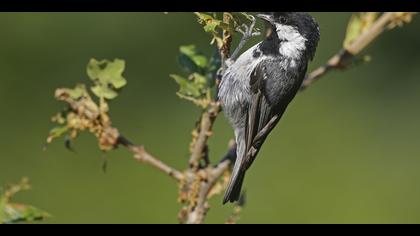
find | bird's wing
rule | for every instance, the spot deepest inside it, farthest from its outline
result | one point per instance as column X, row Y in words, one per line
column 261, row 117
column 259, row 111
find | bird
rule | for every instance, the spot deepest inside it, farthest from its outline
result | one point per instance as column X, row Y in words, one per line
column 256, row 89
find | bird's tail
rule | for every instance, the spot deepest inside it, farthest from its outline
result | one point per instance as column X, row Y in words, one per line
column 233, row 190
column 235, row 185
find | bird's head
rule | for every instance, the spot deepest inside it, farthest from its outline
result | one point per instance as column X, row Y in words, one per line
column 298, row 29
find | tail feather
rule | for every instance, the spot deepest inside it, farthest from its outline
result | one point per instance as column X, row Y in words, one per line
column 233, row 191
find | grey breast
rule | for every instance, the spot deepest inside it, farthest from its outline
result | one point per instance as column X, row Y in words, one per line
column 234, row 90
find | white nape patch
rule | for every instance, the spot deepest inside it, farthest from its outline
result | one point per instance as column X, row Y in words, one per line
column 293, row 42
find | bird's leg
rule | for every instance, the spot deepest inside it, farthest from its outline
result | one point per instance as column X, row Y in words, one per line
column 246, row 35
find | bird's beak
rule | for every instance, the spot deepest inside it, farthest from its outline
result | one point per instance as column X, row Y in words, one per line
column 265, row 17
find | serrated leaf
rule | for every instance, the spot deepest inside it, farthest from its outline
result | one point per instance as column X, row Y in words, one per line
column 214, row 64
column 76, row 93
column 199, row 81
column 188, row 64
column 188, row 50
column 119, row 83
column 14, row 213
column 93, row 69
column 202, row 17
column 192, row 60
column 104, row 92
column 211, row 25
column 186, row 87
column 191, row 52
column 107, row 74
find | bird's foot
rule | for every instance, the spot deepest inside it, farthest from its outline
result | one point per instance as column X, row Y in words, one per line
column 247, row 31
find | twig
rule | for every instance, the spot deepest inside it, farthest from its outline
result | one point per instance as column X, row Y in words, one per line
column 344, row 57
column 209, row 176
column 227, row 40
column 140, row 154
column 237, row 209
column 204, row 132
column 218, row 170
column 224, row 51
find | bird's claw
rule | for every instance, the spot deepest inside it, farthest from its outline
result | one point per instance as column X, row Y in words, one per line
column 246, row 30
column 247, row 33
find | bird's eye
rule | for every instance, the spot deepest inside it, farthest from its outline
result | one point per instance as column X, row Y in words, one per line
column 283, row 20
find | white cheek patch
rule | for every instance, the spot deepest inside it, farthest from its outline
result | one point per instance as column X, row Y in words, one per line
column 294, row 42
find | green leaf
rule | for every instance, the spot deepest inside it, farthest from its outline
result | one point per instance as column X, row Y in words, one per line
column 203, row 16
column 186, row 87
column 208, row 22
column 199, row 81
column 14, row 213
column 57, row 132
column 77, row 92
column 108, row 77
column 191, row 52
column 211, row 25
column 104, row 91
column 353, row 30
column 214, row 64
column 358, row 24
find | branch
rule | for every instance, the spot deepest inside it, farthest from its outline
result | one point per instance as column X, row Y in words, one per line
column 140, row 154
column 344, row 58
column 85, row 114
column 209, row 178
column 199, row 145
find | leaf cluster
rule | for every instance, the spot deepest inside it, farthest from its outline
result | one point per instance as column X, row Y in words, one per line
column 11, row 212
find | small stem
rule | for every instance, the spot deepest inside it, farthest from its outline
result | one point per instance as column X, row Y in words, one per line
column 344, row 57
column 210, row 176
column 140, row 154
column 205, row 130
column 374, row 31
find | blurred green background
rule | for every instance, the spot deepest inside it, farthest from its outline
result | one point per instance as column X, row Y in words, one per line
column 347, row 150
